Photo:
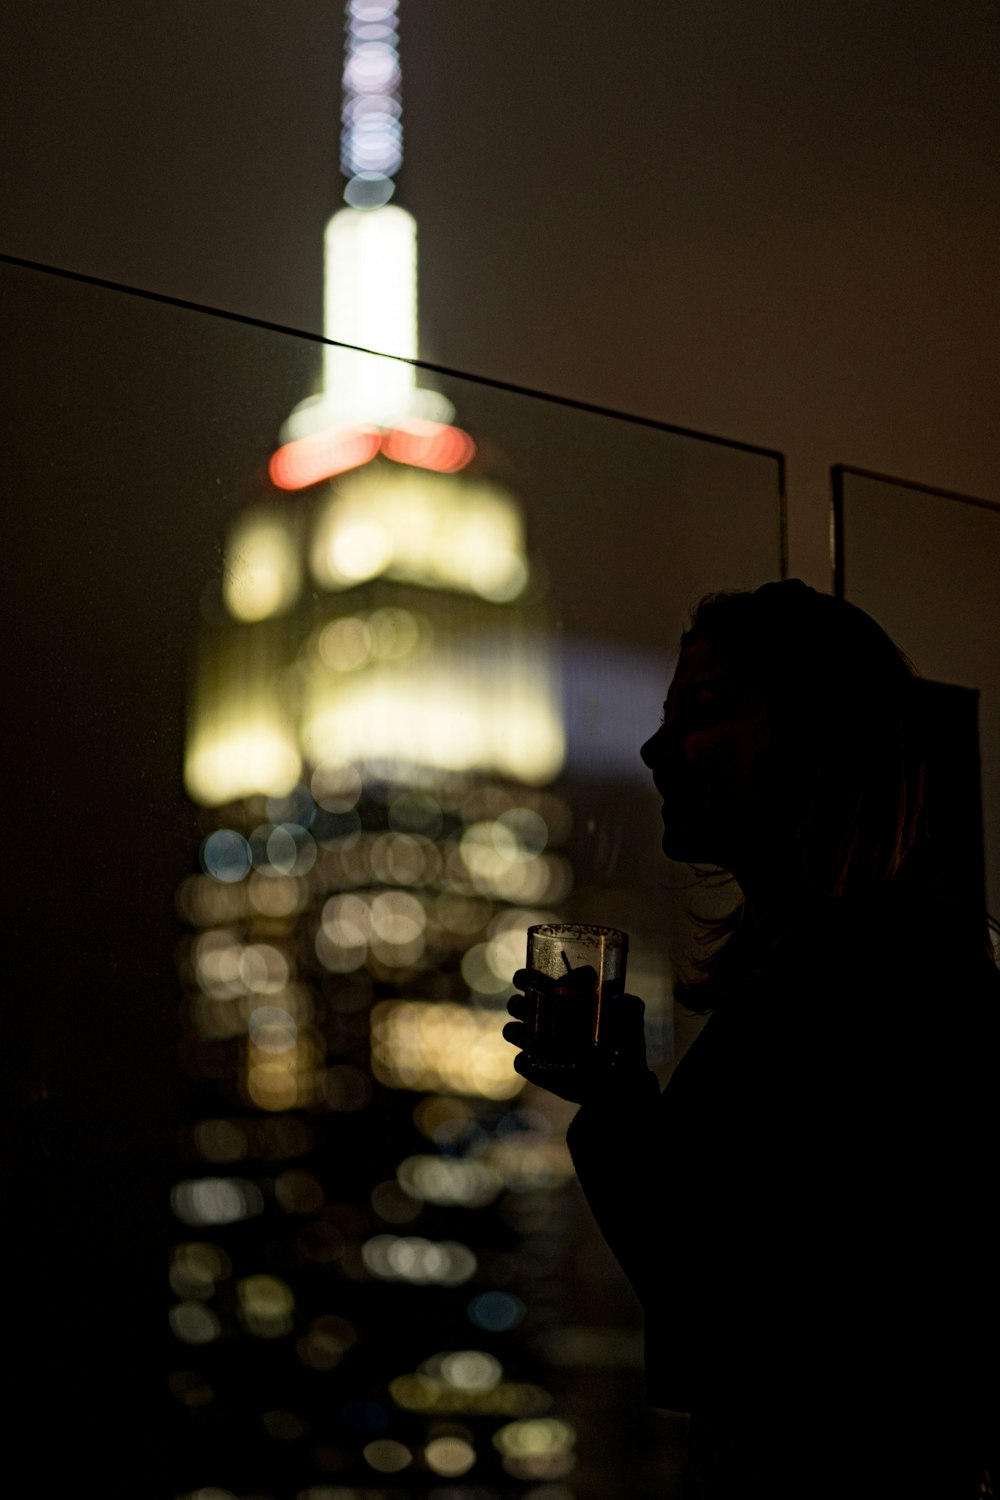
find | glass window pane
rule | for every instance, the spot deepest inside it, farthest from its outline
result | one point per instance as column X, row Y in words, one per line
column 926, row 564
column 316, row 712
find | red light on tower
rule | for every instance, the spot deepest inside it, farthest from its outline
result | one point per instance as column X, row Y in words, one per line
column 429, row 445
column 418, row 442
column 322, row 455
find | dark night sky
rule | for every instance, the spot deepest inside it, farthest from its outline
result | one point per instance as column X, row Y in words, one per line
column 777, row 222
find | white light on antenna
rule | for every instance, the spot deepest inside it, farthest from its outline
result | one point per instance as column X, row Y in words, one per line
column 370, row 300
column 371, row 147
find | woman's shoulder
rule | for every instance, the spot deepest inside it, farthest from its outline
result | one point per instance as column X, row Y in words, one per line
column 935, row 940
column 901, row 928
column 916, row 985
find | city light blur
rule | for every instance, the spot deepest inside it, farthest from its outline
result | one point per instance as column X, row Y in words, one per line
column 376, row 726
column 450, row 1456
column 266, row 1305
column 412, row 1258
column 432, row 529
column 467, row 1383
column 440, row 1046
column 376, row 736
column 537, row 1447
column 216, row 1200
column 263, row 574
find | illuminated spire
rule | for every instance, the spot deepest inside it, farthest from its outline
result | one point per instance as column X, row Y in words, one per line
column 367, row 405
column 371, row 139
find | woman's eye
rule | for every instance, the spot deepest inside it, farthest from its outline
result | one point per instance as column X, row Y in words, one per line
column 702, row 705
column 706, row 709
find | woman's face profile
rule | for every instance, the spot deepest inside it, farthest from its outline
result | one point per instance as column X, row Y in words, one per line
column 706, row 760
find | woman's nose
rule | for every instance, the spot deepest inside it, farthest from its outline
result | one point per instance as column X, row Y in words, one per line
column 650, row 751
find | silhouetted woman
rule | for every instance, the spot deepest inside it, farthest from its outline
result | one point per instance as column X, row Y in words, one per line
column 805, row 1211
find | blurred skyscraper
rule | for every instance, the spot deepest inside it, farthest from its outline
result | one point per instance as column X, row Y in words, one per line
column 368, row 1244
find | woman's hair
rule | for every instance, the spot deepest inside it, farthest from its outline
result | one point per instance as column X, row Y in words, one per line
column 846, row 763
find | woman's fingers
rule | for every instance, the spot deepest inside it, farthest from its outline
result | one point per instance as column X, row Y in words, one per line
column 516, row 1033
column 532, row 979
column 580, row 1076
column 520, row 1007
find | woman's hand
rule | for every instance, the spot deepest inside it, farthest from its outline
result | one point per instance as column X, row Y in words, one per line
column 583, row 1073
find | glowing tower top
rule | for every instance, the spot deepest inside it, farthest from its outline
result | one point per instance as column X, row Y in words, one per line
column 370, row 270
column 373, row 460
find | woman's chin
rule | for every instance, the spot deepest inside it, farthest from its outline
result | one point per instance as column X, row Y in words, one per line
column 684, row 849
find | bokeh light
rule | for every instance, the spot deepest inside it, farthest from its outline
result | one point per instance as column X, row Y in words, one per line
column 194, row 1323
column 443, row 1119
column 263, row 571
column 336, row 788
column 446, row 449
column 326, row 1341
column 283, row 1072
column 450, row 1456
column 217, row 956
column 449, row 1181
column 282, row 849
column 276, row 895
column 466, row 1369
column 536, row 1448
column 442, row 1047
column 404, row 859
column 321, row 455
column 371, row 141
column 430, row 1390
column 225, row 856
column 387, row 1456
column 393, row 1205
column 272, row 1028
column 496, row 1312
column 266, row 1305
column 216, row 1200
column 420, row 1261
column 196, row 1267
